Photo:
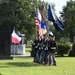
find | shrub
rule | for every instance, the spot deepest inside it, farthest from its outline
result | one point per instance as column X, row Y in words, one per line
column 72, row 52
column 63, row 49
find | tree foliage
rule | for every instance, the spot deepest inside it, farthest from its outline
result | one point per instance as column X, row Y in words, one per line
column 18, row 13
column 68, row 15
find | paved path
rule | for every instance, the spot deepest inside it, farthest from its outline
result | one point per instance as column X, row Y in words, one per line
column 22, row 55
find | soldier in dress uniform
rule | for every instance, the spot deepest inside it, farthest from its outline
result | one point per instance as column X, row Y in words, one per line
column 48, row 52
column 35, row 44
column 52, row 50
column 44, row 48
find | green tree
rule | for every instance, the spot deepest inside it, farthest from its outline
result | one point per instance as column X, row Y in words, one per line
column 18, row 13
column 69, row 19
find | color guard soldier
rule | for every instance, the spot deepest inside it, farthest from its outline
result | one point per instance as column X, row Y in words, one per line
column 35, row 44
column 52, row 49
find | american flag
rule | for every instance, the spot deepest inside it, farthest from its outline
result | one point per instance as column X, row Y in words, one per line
column 38, row 19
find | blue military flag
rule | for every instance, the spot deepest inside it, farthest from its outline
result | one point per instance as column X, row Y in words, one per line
column 58, row 25
column 51, row 14
column 52, row 17
column 43, row 25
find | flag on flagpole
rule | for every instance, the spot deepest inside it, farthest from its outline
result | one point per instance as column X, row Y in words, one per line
column 52, row 17
column 40, row 32
column 44, row 31
column 38, row 18
column 15, row 38
column 43, row 27
column 43, row 11
column 51, row 14
column 58, row 25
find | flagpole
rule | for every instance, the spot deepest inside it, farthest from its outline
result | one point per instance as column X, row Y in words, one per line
column 46, row 19
column 14, row 48
column 14, row 43
column 36, row 5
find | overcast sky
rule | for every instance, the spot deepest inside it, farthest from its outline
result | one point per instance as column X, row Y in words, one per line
column 58, row 5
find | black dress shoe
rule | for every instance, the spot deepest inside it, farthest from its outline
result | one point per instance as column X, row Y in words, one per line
column 54, row 64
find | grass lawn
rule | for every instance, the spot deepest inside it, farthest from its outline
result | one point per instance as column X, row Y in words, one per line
column 28, row 49
column 26, row 66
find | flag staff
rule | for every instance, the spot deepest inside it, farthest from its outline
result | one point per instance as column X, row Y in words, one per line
column 35, row 8
column 14, row 43
column 45, row 17
column 14, row 48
